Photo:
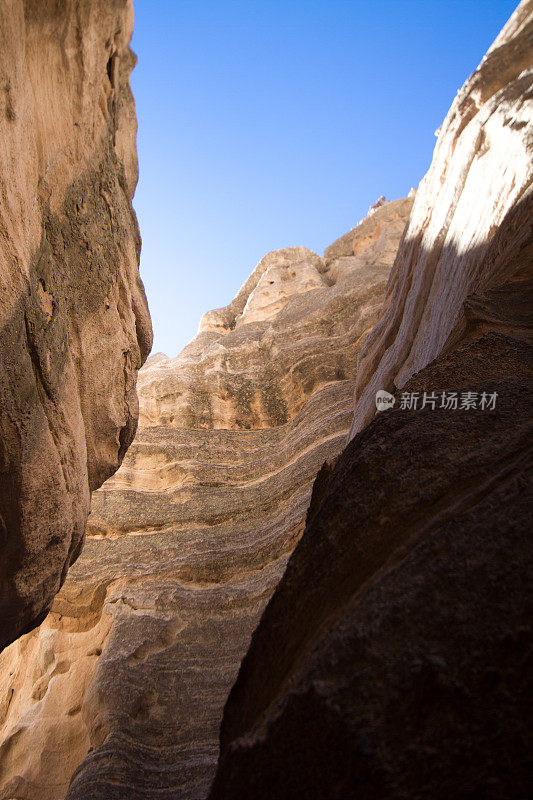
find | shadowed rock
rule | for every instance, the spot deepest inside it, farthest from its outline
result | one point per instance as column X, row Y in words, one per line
column 481, row 170
column 418, row 619
column 130, row 671
column 74, row 325
column 392, row 659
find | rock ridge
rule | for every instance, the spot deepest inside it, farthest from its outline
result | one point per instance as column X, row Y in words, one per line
column 483, row 151
column 391, row 659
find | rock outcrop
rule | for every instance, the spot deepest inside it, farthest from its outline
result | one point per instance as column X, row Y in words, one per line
column 255, row 363
column 74, row 321
column 481, row 172
column 392, row 659
column 388, row 601
column 127, row 677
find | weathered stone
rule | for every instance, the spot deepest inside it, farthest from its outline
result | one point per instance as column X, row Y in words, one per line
column 481, row 171
column 255, row 362
column 376, row 229
column 391, row 659
column 74, row 323
column 190, row 537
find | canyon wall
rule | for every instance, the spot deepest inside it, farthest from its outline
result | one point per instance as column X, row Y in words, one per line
column 124, row 682
column 480, row 173
column 392, row 658
column 382, row 611
column 75, row 327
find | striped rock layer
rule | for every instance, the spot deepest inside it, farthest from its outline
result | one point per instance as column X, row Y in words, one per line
column 392, row 659
column 123, row 685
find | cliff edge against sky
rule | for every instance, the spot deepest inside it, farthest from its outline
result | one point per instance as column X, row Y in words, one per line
column 361, row 609
column 126, row 679
column 391, row 660
column 75, row 327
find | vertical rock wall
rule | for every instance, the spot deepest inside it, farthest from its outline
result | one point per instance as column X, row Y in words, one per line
column 481, row 172
column 74, row 325
column 127, row 677
column 391, row 661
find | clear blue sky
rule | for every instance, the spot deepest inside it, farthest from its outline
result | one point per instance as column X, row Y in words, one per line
column 272, row 124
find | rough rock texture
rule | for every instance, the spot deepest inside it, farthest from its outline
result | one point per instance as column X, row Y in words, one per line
column 392, row 660
column 74, row 323
column 255, row 362
column 481, row 170
column 128, row 675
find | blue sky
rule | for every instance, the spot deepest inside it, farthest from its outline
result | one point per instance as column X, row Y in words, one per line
column 272, row 124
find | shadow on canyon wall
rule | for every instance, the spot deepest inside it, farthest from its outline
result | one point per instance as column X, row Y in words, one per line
column 72, row 344
column 392, row 658
column 384, row 662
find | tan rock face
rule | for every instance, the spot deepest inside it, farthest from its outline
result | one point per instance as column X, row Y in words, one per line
column 74, row 322
column 190, row 537
column 391, row 659
column 255, row 362
column 280, row 280
column 481, row 171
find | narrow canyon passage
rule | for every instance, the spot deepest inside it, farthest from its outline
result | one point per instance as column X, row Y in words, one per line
column 269, row 590
column 186, row 543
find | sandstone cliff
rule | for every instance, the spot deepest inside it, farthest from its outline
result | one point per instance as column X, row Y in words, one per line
column 75, row 326
column 390, row 649
column 392, row 659
column 127, row 677
column 480, row 173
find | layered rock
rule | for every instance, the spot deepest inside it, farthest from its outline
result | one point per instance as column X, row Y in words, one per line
column 74, row 321
column 128, row 675
column 480, row 173
column 391, row 660
column 255, row 362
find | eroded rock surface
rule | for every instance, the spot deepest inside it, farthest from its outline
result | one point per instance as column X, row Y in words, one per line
column 74, row 322
column 190, row 537
column 255, row 362
column 391, row 661
column 481, row 171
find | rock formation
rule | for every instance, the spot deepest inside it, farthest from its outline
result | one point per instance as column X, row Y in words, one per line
column 391, row 661
column 124, row 683
column 75, row 326
column 387, row 603
column 481, row 172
